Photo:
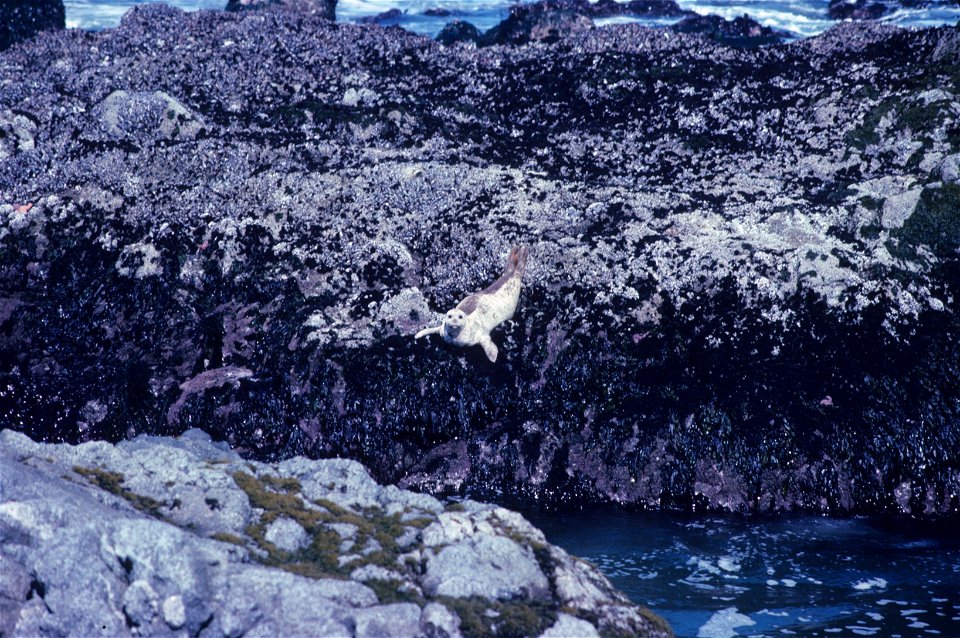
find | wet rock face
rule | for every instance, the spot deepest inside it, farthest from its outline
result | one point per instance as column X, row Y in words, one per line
column 320, row 8
column 856, row 9
column 459, row 31
column 741, row 31
column 21, row 19
column 540, row 22
column 549, row 20
column 160, row 535
column 741, row 292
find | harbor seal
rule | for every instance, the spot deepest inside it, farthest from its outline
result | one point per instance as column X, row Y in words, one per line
column 470, row 323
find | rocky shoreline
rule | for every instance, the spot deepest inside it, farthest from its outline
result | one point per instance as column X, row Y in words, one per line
column 160, row 536
column 742, row 291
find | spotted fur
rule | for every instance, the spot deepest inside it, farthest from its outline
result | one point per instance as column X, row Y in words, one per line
column 471, row 322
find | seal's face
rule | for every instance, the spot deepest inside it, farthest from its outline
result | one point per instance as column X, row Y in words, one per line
column 453, row 323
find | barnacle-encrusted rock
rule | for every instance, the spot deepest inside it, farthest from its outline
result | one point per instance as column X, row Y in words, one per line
column 237, row 221
column 21, row 19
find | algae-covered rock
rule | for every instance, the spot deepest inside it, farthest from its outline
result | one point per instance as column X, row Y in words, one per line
column 84, row 552
column 735, row 298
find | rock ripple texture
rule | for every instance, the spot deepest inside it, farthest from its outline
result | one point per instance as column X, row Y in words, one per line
column 743, row 278
column 159, row 536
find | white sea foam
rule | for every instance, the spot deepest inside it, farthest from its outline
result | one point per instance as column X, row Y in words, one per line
column 863, row 630
column 801, row 17
column 723, row 624
column 777, row 614
column 871, row 583
column 101, row 14
column 887, row 601
column 728, row 563
column 703, row 565
column 643, row 21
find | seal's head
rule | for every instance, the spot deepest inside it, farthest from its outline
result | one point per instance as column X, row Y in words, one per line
column 453, row 323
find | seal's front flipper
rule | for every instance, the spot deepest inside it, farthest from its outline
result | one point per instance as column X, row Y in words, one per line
column 427, row 331
column 489, row 348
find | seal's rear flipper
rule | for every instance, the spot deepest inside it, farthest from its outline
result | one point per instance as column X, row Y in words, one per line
column 522, row 253
column 517, row 261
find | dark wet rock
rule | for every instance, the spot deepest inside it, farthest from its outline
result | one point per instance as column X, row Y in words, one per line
column 95, row 541
column 550, row 20
column 856, row 9
column 459, row 32
column 743, row 31
column 22, row 19
column 437, row 12
column 545, row 21
column 390, row 16
column 720, row 238
column 649, row 8
column 320, row 8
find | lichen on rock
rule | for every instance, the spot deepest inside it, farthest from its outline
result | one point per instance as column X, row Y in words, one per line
column 264, row 557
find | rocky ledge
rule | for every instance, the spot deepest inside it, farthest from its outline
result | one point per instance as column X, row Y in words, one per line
column 743, row 281
column 159, row 536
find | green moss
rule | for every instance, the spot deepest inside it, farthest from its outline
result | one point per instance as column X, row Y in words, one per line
column 281, row 498
column 454, row 507
column 482, row 617
column 288, row 485
column 388, row 591
column 113, row 482
column 107, row 481
column 319, row 558
column 657, row 623
column 656, row 620
column 226, row 537
column 279, row 504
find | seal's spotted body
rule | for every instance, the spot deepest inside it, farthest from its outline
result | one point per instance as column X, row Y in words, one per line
column 472, row 320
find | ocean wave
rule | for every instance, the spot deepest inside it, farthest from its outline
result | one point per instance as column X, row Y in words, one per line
column 104, row 14
column 804, row 18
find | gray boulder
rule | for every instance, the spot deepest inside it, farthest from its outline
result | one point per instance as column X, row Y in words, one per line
column 950, row 169
column 84, row 551
column 144, row 116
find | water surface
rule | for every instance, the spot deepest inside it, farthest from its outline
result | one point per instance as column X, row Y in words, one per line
column 801, row 17
column 719, row 577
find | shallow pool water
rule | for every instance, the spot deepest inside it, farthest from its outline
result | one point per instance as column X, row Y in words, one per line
column 719, row 577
